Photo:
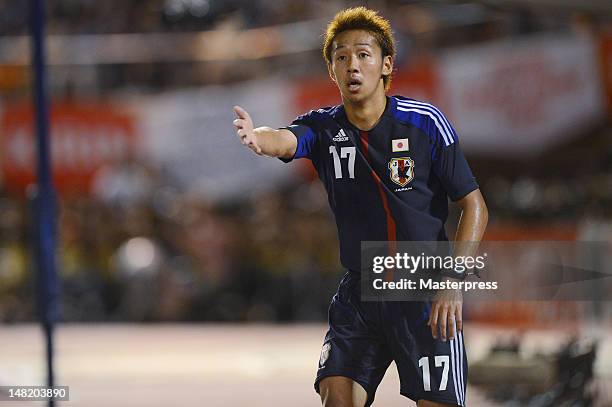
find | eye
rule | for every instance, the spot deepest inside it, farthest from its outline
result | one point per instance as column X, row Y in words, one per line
column 341, row 58
column 363, row 55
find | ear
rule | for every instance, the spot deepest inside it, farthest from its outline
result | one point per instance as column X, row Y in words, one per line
column 387, row 67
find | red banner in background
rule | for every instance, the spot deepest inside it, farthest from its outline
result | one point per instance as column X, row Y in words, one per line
column 605, row 53
column 83, row 138
column 522, row 96
column 417, row 81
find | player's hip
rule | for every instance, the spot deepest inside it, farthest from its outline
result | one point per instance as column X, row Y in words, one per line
column 348, row 309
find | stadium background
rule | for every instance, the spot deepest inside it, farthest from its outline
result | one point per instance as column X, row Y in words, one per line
column 165, row 219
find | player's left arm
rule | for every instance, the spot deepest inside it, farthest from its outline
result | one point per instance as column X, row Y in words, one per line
column 447, row 306
column 472, row 223
column 453, row 170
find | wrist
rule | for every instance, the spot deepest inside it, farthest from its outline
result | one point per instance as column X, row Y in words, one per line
column 453, row 274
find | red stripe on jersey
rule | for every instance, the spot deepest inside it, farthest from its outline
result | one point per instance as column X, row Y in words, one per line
column 391, row 229
column 400, row 169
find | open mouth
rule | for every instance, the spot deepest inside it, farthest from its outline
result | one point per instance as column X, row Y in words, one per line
column 354, row 85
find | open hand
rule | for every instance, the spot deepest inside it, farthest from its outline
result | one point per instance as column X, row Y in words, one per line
column 446, row 314
column 244, row 129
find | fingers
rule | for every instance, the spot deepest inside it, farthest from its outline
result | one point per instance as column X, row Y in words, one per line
column 455, row 321
column 239, row 123
column 241, row 113
column 253, row 146
column 443, row 320
column 451, row 324
column 459, row 317
column 248, row 140
column 433, row 321
column 244, row 129
column 242, row 134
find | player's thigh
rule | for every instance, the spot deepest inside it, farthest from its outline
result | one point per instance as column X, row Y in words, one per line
column 341, row 391
column 429, row 369
column 427, row 403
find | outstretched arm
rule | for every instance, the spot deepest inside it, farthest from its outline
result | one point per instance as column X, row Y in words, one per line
column 264, row 140
column 447, row 307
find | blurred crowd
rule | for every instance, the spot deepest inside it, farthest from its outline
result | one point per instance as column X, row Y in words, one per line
column 147, row 16
column 136, row 248
column 150, row 253
column 421, row 27
column 550, row 188
column 117, row 16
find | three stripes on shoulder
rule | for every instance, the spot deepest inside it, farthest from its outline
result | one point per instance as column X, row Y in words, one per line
column 444, row 127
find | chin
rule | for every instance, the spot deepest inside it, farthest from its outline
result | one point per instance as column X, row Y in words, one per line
column 354, row 97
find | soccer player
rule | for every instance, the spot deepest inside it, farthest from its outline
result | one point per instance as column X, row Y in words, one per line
column 389, row 165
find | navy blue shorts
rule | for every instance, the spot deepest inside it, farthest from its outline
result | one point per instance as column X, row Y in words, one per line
column 364, row 337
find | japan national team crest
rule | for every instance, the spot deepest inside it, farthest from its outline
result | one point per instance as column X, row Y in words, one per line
column 401, row 170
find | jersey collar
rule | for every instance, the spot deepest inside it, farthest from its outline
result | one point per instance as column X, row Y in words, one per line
column 389, row 109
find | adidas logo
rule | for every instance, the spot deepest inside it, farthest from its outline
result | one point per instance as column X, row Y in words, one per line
column 341, row 136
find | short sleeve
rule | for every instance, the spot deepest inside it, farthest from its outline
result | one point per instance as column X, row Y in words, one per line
column 449, row 163
column 304, row 129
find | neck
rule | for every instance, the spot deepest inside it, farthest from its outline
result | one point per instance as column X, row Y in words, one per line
column 365, row 114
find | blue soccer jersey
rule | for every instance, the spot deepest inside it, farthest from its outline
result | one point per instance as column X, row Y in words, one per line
column 391, row 182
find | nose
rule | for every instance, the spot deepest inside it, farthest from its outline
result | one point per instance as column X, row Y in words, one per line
column 352, row 64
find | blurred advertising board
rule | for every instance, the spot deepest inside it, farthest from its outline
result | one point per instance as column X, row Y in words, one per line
column 522, row 96
column 13, row 77
column 516, row 97
column 189, row 134
column 84, row 138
